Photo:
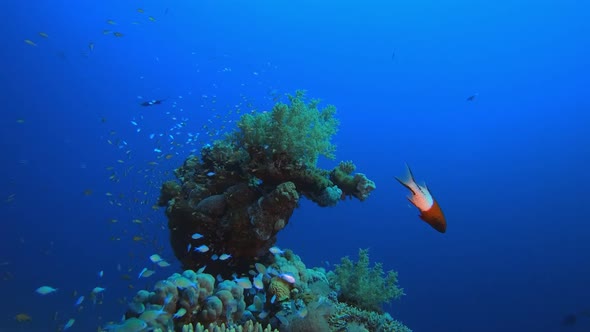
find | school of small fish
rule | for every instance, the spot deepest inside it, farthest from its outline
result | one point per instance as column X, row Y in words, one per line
column 172, row 140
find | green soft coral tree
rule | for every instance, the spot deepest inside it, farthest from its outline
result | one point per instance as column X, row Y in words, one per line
column 362, row 286
column 300, row 130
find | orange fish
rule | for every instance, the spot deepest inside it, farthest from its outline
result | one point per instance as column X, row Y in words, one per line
column 421, row 198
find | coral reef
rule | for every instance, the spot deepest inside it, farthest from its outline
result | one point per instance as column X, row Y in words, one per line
column 224, row 213
column 364, row 287
column 196, row 301
column 243, row 190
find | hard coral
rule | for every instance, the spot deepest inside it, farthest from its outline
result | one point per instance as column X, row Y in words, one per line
column 364, row 287
column 212, row 309
column 357, row 185
column 329, row 196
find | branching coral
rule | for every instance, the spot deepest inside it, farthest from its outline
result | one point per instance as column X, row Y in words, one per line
column 362, row 286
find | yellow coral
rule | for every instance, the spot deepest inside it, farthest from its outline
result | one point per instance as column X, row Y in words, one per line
column 279, row 288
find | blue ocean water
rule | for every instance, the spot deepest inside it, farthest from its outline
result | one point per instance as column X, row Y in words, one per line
column 509, row 168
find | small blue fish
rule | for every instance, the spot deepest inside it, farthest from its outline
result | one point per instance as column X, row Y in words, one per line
column 79, row 301
column 196, row 236
column 142, row 272
column 97, row 290
column 263, row 315
column 257, row 282
column 180, row 313
column 243, row 282
column 44, row 290
column 202, row 248
column 69, row 324
column 210, row 173
column 155, row 258
column 260, row 268
column 287, row 277
column 276, row 251
column 167, row 300
column 188, row 248
column 224, row 257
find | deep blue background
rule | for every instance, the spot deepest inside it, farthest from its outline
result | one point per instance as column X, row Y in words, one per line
column 509, row 168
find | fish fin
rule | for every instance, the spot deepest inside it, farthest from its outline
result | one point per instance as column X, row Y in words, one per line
column 410, row 174
column 411, row 202
column 405, row 185
column 409, row 178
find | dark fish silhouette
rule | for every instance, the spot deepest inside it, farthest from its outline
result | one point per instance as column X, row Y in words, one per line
column 572, row 319
column 152, row 102
column 472, row 97
column 569, row 320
